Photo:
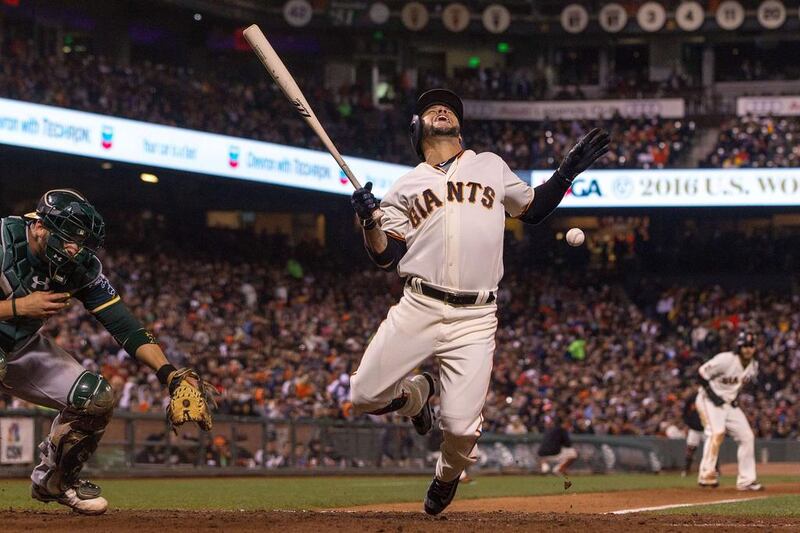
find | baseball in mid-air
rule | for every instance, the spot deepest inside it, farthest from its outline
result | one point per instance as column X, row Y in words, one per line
column 575, row 237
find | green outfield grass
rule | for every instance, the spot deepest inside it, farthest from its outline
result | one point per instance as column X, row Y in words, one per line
column 327, row 492
column 776, row 506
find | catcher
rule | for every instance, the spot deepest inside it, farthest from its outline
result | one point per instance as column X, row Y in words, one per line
column 47, row 258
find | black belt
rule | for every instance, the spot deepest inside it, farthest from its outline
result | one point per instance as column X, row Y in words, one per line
column 451, row 298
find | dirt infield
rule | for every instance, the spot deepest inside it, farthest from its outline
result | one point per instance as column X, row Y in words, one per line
column 583, row 503
column 317, row 522
column 568, row 512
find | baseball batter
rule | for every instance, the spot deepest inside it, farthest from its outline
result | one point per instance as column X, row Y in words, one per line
column 442, row 230
column 47, row 258
column 721, row 378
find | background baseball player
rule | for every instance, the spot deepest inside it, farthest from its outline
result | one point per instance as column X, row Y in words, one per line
column 49, row 257
column 556, row 452
column 442, row 230
column 721, row 379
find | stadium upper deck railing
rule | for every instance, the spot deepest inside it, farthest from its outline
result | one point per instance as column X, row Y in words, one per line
column 142, row 444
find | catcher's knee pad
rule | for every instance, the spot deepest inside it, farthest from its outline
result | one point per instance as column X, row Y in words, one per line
column 92, row 395
column 3, row 365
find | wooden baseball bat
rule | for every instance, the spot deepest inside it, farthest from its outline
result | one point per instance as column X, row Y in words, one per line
column 258, row 41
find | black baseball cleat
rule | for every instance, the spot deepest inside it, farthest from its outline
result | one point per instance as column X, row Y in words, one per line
column 423, row 421
column 439, row 495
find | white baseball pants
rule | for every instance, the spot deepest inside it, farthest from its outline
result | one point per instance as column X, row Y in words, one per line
column 717, row 421
column 463, row 340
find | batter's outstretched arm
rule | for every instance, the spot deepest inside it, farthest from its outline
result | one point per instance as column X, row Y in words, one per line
column 546, row 198
column 548, row 195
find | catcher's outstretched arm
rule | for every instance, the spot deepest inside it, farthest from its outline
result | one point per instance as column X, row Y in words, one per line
column 152, row 356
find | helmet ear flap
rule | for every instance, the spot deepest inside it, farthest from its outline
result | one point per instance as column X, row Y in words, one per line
column 415, row 131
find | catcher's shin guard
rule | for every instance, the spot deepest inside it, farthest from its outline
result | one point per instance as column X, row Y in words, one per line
column 3, row 366
column 75, row 434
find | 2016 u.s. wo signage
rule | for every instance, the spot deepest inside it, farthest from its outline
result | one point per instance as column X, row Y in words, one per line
column 681, row 188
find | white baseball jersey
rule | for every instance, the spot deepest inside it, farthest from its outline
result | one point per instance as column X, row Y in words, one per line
column 726, row 375
column 453, row 222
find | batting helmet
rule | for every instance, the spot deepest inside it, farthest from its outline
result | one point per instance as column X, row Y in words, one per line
column 70, row 218
column 426, row 100
column 745, row 339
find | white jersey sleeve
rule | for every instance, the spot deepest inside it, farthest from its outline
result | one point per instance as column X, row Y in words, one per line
column 395, row 214
column 518, row 194
column 714, row 366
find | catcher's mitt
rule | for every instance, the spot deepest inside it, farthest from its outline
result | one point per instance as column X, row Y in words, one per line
column 189, row 402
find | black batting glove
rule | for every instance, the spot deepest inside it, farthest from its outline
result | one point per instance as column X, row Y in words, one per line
column 589, row 149
column 364, row 204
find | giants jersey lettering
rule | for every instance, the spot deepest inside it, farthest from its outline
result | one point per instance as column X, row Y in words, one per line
column 726, row 374
column 453, row 222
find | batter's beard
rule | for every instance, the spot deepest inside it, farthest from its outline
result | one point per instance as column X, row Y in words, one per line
column 432, row 131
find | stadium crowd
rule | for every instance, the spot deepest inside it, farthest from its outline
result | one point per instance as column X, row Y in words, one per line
column 279, row 336
column 756, row 142
column 221, row 102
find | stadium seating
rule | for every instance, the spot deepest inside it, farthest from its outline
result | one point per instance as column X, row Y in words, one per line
column 220, row 103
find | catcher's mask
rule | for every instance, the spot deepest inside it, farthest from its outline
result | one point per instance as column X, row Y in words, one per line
column 70, row 218
column 426, row 100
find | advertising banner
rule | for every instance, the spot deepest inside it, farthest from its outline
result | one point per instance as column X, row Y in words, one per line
column 117, row 139
column 571, row 110
column 763, row 106
column 681, row 187
column 16, row 440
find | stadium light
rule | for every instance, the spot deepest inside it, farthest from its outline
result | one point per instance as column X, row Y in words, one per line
column 148, row 178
